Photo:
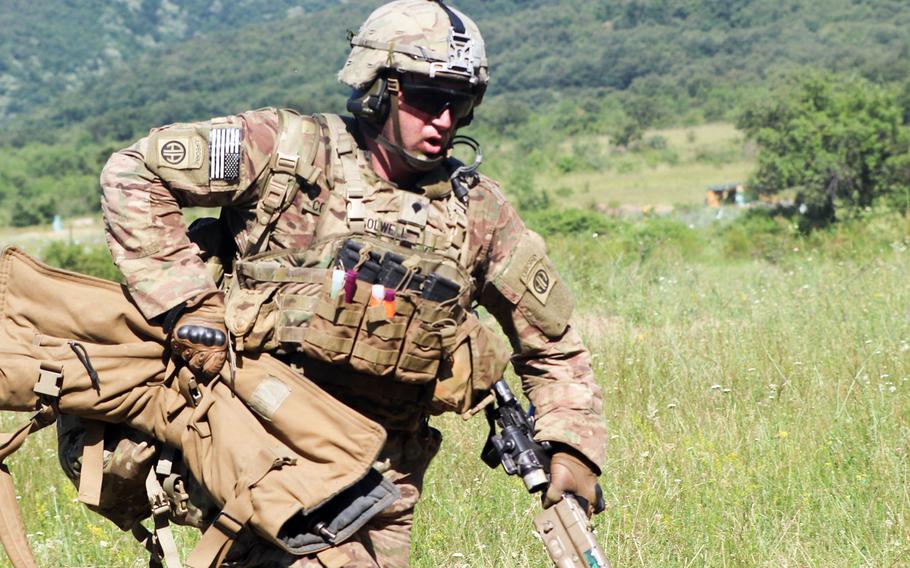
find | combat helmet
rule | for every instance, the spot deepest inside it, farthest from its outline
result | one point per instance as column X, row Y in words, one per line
column 405, row 38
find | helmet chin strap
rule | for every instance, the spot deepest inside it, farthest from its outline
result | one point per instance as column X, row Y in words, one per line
column 414, row 160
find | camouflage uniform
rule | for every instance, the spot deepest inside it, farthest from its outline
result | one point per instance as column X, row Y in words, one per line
column 147, row 236
column 232, row 162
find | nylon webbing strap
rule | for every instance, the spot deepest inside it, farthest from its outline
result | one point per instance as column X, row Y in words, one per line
column 12, row 529
column 147, row 540
column 333, row 558
column 458, row 230
column 352, row 179
column 217, row 539
column 160, row 511
column 281, row 185
column 9, row 443
column 92, row 471
column 416, row 51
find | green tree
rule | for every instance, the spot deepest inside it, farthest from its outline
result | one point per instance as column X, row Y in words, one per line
column 833, row 140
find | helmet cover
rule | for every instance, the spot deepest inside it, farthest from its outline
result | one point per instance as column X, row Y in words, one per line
column 424, row 37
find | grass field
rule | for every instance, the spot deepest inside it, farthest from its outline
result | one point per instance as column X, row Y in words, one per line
column 692, row 159
column 758, row 412
column 756, row 386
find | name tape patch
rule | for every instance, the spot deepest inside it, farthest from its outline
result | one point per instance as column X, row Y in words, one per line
column 380, row 226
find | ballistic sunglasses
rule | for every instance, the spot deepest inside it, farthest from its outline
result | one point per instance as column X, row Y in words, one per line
column 433, row 100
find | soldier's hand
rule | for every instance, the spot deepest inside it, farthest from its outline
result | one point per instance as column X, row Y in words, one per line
column 199, row 335
column 129, row 459
column 572, row 473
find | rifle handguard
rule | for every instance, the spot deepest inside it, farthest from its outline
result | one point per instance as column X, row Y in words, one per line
column 564, row 528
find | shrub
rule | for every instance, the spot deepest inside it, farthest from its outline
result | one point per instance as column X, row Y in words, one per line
column 94, row 260
column 549, row 222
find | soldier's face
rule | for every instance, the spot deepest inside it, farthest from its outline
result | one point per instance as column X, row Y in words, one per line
column 428, row 114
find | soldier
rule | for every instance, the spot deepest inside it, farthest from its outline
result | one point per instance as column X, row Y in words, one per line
column 359, row 250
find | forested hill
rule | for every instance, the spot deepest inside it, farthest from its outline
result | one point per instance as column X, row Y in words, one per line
column 48, row 47
column 675, row 54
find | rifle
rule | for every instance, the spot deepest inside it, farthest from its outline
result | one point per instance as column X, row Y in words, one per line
column 564, row 527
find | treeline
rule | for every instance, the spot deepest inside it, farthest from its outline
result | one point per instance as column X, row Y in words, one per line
column 559, row 70
column 53, row 47
column 680, row 56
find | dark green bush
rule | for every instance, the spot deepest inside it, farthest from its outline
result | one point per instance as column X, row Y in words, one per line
column 94, row 260
column 570, row 222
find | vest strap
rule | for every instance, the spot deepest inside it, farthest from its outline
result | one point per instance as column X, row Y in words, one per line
column 352, row 178
column 286, row 165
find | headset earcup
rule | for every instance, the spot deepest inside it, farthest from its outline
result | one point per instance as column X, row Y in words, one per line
column 467, row 119
column 371, row 105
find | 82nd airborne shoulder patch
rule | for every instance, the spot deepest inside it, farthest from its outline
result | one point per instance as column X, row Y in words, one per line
column 224, row 154
column 538, row 278
column 180, row 152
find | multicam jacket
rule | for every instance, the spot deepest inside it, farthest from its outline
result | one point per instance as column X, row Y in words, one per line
column 232, row 162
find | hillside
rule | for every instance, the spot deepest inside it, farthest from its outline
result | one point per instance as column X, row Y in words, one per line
column 563, row 74
column 53, row 47
column 677, row 54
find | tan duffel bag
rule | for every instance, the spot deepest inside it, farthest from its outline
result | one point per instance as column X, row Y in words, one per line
column 276, row 452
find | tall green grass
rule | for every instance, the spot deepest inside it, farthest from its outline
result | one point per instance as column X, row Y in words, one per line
column 756, row 387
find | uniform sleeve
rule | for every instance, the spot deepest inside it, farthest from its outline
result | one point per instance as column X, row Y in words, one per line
column 144, row 188
column 523, row 291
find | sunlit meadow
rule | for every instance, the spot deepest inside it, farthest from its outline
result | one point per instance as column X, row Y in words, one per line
column 756, row 396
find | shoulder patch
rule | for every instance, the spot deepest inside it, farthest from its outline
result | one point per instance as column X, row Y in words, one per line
column 224, row 153
column 539, row 280
column 530, row 282
column 180, row 150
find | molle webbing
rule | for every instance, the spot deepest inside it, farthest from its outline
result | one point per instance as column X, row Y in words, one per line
column 275, row 272
column 295, row 135
column 349, row 182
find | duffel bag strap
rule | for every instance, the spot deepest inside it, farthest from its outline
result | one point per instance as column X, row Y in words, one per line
column 92, row 471
column 12, row 529
column 217, row 539
column 161, row 509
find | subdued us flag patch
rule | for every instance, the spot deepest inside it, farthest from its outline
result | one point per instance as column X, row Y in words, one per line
column 224, row 154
